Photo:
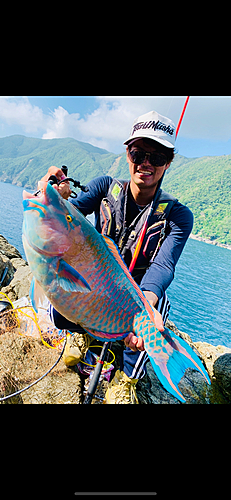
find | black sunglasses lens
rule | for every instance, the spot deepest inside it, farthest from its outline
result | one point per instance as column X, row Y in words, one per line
column 137, row 156
column 156, row 159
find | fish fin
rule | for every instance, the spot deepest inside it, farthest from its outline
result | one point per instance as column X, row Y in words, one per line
column 37, row 295
column 106, row 336
column 70, row 280
column 170, row 356
column 115, row 251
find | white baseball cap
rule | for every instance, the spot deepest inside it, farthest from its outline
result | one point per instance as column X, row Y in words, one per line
column 153, row 126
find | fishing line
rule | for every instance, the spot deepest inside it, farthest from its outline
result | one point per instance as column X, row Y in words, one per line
column 151, row 209
column 36, row 381
column 105, row 364
column 11, row 303
column 11, row 322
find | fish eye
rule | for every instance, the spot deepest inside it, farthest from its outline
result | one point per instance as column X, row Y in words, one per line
column 69, row 218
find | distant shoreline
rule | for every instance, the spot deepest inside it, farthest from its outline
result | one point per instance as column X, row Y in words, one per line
column 206, row 240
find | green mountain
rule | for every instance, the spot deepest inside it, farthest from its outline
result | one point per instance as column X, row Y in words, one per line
column 203, row 184
column 24, row 160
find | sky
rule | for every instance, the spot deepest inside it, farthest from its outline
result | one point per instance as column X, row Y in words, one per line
column 106, row 121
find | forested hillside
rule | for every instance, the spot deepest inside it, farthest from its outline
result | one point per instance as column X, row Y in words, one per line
column 24, row 160
column 203, row 184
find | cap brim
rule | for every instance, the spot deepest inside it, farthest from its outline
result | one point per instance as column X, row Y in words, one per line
column 161, row 141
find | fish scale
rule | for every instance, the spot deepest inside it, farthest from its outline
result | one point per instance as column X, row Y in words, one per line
column 86, row 280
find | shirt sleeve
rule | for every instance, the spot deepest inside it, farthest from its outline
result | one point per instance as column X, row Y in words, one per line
column 89, row 202
column 161, row 272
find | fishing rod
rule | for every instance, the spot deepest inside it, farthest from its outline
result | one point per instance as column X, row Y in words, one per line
column 53, row 180
column 145, row 226
column 98, row 369
column 182, row 115
column 97, row 372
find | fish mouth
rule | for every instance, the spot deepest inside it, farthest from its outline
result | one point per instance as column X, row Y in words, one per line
column 36, row 201
column 41, row 229
column 38, row 195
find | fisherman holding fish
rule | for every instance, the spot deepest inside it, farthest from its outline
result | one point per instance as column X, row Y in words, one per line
column 150, row 228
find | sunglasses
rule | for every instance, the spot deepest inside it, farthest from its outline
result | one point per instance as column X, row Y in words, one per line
column 156, row 159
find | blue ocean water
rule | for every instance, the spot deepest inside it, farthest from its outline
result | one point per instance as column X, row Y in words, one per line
column 11, row 215
column 200, row 294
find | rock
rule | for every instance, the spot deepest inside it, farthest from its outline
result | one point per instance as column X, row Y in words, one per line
column 20, row 284
column 210, row 353
column 6, row 265
column 222, row 373
column 17, row 263
column 192, row 385
column 212, row 356
column 16, row 284
column 7, row 249
column 150, row 390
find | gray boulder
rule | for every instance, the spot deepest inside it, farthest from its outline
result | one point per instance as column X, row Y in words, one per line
column 222, row 373
column 16, row 283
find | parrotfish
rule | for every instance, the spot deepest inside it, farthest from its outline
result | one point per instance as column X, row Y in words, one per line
column 84, row 277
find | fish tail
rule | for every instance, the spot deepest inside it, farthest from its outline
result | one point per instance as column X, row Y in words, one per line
column 170, row 356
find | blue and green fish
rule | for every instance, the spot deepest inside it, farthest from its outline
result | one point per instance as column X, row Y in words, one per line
column 84, row 277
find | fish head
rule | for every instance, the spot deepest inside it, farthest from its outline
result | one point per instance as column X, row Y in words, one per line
column 49, row 221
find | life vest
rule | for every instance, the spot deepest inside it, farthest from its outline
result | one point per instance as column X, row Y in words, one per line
column 112, row 221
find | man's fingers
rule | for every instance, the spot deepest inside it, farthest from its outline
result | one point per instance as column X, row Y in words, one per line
column 134, row 342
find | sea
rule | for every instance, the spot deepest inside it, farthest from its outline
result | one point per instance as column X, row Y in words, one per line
column 200, row 293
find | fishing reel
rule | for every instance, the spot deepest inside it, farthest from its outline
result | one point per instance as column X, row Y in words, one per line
column 53, row 180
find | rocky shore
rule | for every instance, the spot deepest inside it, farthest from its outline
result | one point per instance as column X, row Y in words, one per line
column 210, row 242
column 65, row 385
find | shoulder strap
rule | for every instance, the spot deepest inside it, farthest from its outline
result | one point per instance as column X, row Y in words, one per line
column 116, row 187
column 164, row 202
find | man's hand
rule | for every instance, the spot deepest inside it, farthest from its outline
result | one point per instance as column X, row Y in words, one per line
column 137, row 343
column 64, row 188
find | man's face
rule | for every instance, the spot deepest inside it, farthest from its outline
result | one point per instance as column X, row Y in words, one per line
column 144, row 174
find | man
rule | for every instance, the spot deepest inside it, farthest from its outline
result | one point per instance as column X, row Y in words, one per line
column 122, row 210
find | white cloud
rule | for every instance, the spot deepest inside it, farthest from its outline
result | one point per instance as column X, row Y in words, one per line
column 21, row 112
column 107, row 127
column 61, row 124
column 110, row 123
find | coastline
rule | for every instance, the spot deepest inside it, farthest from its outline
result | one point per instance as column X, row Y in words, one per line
column 210, row 242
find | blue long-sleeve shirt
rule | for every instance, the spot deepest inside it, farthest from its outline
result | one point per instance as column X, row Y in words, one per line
column 160, row 274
